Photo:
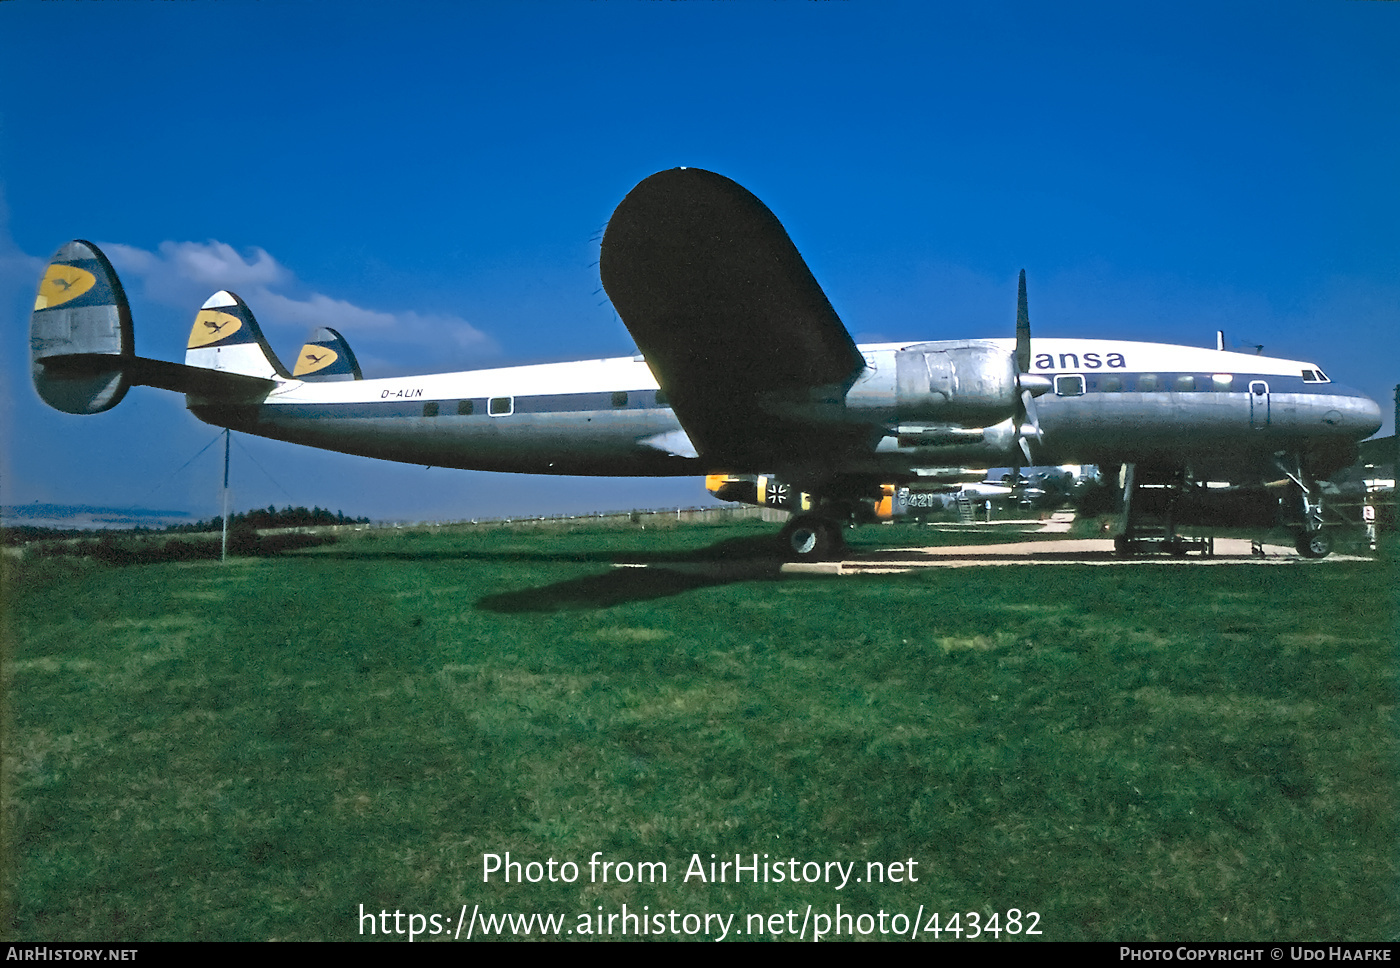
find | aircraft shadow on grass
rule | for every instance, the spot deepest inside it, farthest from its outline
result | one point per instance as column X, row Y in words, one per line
column 632, row 576
column 621, row 586
column 653, row 575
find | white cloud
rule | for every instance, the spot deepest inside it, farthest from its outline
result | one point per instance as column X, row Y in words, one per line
column 182, row 275
column 19, row 273
column 216, row 264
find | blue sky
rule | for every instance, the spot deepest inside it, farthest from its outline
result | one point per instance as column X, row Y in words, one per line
column 432, row 179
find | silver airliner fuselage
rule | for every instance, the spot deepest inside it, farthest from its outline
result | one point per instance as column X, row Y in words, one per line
column 1112, row 401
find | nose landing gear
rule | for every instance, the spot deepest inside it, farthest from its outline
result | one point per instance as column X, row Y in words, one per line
column 1310, row 540
column 1314, row 543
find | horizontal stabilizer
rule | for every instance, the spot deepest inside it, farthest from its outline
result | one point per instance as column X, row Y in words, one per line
column 140, row 371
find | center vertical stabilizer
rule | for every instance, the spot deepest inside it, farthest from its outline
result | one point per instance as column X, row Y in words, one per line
column 226, row 337
column 327, row 357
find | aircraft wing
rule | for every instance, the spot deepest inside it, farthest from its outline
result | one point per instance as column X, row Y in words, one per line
column 744, row 343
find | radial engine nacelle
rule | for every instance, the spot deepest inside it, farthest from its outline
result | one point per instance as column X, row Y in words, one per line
column 972, row 383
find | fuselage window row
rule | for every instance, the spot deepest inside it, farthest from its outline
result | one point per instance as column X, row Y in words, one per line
column 1073, row 385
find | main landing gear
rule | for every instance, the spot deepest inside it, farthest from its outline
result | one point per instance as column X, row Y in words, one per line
column 812, row 537
column 1150, row 499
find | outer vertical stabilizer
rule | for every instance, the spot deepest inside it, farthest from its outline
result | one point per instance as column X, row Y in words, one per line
column 226, row 337
column 80, row 339
column 326, row 357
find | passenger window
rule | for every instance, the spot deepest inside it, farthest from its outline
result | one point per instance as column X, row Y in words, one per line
column 1111, row 384
column 501, row 406
column 1184, row 383
column 1222, row 381
column 619, row 399
column 1069, row 386
column 430, row 409
column 661, row 400
column 465, row 408
column 1147, row 383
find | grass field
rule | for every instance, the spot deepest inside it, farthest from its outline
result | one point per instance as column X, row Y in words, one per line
column 256, row 750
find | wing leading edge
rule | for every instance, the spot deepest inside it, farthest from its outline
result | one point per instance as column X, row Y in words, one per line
column 743, row 341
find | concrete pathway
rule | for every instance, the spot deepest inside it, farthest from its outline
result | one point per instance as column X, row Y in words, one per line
column 1068, row 551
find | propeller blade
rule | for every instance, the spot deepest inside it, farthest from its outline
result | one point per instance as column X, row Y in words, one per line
column 1028, row 420
column 1032, row 415
column 1023, row 328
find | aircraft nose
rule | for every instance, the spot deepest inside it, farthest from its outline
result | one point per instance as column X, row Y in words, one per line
column 1356, row 413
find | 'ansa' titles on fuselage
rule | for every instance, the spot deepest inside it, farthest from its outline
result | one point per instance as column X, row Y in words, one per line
column 1109, row 401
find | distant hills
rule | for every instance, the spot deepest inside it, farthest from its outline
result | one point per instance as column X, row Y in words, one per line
column 88, row 517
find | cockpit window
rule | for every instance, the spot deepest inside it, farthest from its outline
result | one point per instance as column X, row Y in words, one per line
column 1315, row 376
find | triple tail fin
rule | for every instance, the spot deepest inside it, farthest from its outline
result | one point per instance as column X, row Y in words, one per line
column 326, row 357
column 82, row 351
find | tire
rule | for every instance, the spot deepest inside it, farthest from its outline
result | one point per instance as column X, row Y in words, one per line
column 1314, row 544
column 810, row 538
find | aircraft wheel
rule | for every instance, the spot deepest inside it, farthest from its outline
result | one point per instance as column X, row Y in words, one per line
column 811, row 538
column 1314, row 544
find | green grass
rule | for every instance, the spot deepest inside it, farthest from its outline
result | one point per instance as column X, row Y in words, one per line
column 197, row 751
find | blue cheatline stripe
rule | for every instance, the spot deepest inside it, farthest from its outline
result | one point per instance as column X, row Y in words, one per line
column 1205, row 382
column 449, row 406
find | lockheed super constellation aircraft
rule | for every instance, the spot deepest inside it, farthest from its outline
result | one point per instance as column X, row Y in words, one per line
column 746, row 375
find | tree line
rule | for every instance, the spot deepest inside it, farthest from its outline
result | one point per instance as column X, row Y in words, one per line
column 261, row 519
column 242, row 522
